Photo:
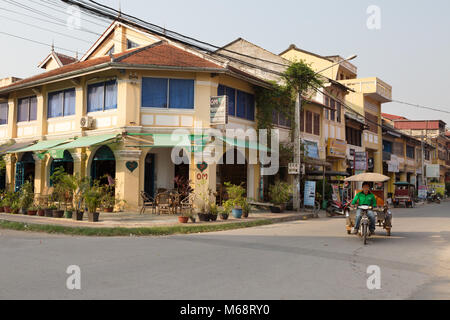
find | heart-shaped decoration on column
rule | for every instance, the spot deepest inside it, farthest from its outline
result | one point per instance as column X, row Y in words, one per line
column 132, row 165
column 202, row 166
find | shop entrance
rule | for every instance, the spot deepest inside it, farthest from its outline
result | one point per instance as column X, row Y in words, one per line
column 103, row 165
column 25, row 170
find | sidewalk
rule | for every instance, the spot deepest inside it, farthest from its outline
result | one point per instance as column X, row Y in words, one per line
column 135, row 220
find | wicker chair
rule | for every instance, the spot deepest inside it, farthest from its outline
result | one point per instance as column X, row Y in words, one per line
column 163, row 203
column 188, row 203
column 147, row 202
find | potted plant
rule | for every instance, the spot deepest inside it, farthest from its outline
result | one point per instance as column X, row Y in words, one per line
column 40, row 211
column 246, row 207
column 32, row 211
column 279, row 193
column 68, row 214
column 213, row 212
column 15, row 207
column 25, row 197
column 60, row 191
column 192, row 218
column 224, row 215
column 235, row 199
column 49, row 211
column 184, row 217
column 205, row 196
column 93, row 199
column 108, row 199
column 8, row 201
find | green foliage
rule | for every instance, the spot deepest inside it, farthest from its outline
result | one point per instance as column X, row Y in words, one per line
column 10, row 198
column 280, row 192
column 447, row 188
column 235, row 197
column 328, row 189
column 93, row 197
column 26, row 195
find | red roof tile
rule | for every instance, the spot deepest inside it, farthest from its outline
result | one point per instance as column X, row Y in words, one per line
column 164, row 54
column 159, row 54
column 418, row 125
column 65, row 60
column 392, row 117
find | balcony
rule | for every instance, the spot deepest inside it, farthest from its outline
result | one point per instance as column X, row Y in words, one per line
column 372, row 87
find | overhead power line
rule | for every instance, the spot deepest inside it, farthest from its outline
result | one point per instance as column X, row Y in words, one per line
column 421, row 107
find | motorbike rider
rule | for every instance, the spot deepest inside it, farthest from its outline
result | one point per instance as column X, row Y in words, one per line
column 365, row 198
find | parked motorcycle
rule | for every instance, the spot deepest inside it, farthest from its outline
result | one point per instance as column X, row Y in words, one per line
column 337, row 208
column 433, row 197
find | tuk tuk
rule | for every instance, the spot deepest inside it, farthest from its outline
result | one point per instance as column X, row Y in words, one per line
column 383, row 214
column 404, row 195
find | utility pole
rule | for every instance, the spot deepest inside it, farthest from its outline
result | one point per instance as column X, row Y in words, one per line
column 297, row 153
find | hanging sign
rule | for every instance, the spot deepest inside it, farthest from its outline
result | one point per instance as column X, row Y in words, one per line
column 219, row 110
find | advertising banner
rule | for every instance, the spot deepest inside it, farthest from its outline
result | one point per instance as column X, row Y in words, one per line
column 310, row 193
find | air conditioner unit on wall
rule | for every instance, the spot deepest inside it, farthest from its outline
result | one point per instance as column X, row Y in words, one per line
column 87, row 123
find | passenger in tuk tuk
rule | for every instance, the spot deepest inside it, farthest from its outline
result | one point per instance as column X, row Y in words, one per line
column 365, row 198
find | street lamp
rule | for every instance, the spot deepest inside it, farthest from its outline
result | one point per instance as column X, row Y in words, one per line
column 298, row 107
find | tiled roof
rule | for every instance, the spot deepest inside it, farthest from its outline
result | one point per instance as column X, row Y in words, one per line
column 159, row 54
column 164, row 54
column 65, row 60
column 392, row 117
column 418, row 125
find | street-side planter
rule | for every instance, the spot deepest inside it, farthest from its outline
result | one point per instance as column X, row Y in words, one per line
column 49, row 212
column 2, row 209
column 224, row 216
column 213, row 212
column 108, row 210
column 237, row 213
column 182, row 219
column 58, row 214
column 7, row 209
column 41, row 213
column 203, row 217
column 32, row 212
column 93, row 216
column 23, row 211
column 78, row 216
column 68, row 214
column 279, row 193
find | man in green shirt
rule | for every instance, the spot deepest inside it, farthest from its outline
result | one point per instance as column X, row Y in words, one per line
column 365, row 198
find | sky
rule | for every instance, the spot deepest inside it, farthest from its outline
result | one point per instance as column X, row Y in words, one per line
column 409, row 49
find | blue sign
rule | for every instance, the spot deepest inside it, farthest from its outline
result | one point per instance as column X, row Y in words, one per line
column 310, row 193
column 311, row 149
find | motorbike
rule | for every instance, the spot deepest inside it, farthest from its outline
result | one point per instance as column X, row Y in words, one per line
column 365, row 223
column 432, row 196
column 337, row 208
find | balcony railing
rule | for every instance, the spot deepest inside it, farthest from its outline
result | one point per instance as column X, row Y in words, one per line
column 373, row 87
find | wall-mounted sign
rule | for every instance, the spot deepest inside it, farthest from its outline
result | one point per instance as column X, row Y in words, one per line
column 393, row 165
column 337, row 148
column 294, row 168
column 310, row 193
column 433, row 171
column 219, row 110
column 311, row 149
column 361, row 160
column 132, row 165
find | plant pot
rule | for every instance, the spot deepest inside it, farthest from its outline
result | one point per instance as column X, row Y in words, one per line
column 23, row 211
column 15, row 211
column 49, row 213
column 78, row 216
column 108, row 210
column 7, row 209
column 41, row 213
column 58, row 214
column 276, row 209
column 2, row 209
column 203, row 217
column 68, row 214
column 32, row 212
column 224, row 216
column 93, row 217
column 193, row 220
column 213, row 217
column 183, row 219
column 245, row 214
column 237, row 213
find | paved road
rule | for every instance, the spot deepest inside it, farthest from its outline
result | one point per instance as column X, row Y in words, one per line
column 301, row 260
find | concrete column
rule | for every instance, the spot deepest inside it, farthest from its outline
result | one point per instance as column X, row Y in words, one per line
column 127, row 181
column 39, row 174
column 10, row 161
column 79, row 162
column 12, row 118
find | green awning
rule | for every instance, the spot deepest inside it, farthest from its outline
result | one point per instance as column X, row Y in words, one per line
column 13, row 147
column 42, row 146
column 166, row 140
column 254, row 145
column 57, row 152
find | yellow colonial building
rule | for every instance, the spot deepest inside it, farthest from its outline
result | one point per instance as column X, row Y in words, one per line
column 113, row 112
column 363, row 99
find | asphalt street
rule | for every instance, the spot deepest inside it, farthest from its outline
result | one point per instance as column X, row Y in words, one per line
column 313, row 259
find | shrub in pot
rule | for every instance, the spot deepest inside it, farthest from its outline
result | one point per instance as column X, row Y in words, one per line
column 213, row 212
column 25, row 197
column 93, row 198
column 235, row 199
column 49, row 211
column 68, row 214
column 40, row 211
column 279, row 194
column 32, row 211
column 108, row 199
column 246, row 207
column 8, row 201
column 15, row 208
